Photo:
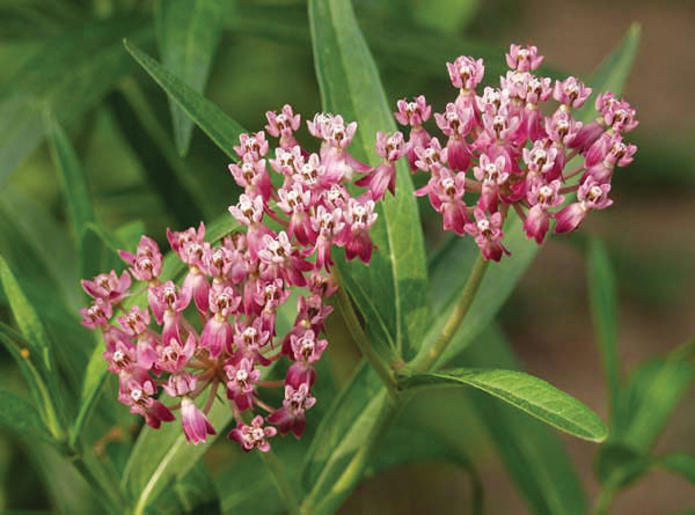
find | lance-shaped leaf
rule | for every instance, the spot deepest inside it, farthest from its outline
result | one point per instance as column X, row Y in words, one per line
column 681, row 464
column 392, row 292
column 604, row 312
column 532, row 453
column 218, row 126
column 68, row 75
column 188, row 32
column 39, row 345
column 530, row 394
column 613, row 72
column 21, row 417
column 75, row 189
column 194, row 494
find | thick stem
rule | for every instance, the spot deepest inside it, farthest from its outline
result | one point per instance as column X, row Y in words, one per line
column 428, row 358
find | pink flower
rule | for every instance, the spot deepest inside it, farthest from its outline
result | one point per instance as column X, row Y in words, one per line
column 541, row 197
column 283, row 125
column 359, row 218
column 523, row 59
column 241, row 383
column 254, row 436
column 466, row 72
column 291, row 417
column 591, row 195
column 488, row 234
column 571, row 92
column 196, row 425
column 492, row 175
column 108, row 286
column 146, row 264
column 413, row 113
column 254, row 146
column 97, row 315
column 432, row 157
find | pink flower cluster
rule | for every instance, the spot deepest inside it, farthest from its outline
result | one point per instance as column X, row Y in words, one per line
column 517, row 155
column 218, row 328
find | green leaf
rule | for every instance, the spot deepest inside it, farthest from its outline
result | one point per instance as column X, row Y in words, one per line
column 533, row 454
column 681, row 464
column 194, row 494
column 613, row 72
column 21, row 417
column 161, row 457
column 94, row 377
column 37, row 344
column 74, row 183
column 67, row 76
column 218, row 126
column 648, row 400
column 343, row 430
column 604, row 312
column 530, row 394
column 188, row 32
column 392, row 292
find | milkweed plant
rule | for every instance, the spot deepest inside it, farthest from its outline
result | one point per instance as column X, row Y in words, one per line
column 223, row 331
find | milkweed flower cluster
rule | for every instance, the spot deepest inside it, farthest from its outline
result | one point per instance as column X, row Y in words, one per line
column 500, row 147
column 217, row 329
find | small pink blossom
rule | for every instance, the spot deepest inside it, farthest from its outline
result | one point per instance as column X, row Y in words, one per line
column 254, row 436
column 523, row 58
column 108, row 286
column 196, row 425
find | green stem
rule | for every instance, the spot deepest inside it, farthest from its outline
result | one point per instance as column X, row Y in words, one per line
column 283, row 485
column 107, row 489
column 360, row 339
column 431, row 354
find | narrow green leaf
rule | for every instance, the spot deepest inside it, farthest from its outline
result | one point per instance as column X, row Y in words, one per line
column 343, row 430
column 99, row 252
column 393, row 290
column 188, row 32
column 648, row 400
column 94, row 377
column 530, row 394
column 604, row 312
column 613, row 72
column 218, row 126
column 75, row 189
column 67, row 76
column 21, row 417
column 533, row 454
column 681, row 464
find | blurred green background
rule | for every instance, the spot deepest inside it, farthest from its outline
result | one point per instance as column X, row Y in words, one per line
column 263, row 61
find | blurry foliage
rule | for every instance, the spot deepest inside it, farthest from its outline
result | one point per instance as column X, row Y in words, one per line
column 66, row 57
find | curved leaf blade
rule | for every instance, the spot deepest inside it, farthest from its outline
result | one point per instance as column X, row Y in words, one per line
column 393, row 290
column 188, row 32
column 603, row 302
column 221, row 129
column 530, row 394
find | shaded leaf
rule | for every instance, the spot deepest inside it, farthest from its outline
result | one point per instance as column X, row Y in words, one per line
column 603, row 301
column 95, row 60
column 75, row 189
column 681, row 464
column 218, row 126
column 188, row 32
column 194, row 494
column 21, row 417
column 392, row 292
